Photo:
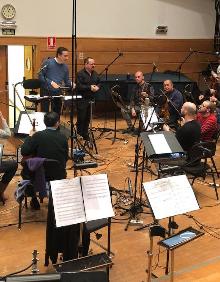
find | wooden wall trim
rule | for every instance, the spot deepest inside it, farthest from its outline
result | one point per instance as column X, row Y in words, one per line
column 138, row 53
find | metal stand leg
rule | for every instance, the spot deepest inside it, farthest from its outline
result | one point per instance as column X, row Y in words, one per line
column 155, row 230
column 115, row 130
column 172, row 266
column 91, row 143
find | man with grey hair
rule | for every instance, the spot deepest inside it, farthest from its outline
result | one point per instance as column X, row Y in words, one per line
column 190, row 131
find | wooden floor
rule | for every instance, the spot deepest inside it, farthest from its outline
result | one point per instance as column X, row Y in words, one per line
column 196, row 261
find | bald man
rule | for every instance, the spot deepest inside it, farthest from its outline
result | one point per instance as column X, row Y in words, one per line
column 141, row 91
column 190, row 132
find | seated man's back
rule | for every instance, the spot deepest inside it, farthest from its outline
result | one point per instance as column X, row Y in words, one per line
column 49, row 143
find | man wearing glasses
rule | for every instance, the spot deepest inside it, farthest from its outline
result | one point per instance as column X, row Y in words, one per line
column 208, row 121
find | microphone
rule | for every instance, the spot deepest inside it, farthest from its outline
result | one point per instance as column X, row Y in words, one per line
column 119, row 53
column 146, row 107
column 155, row 67
column 216, row 53
column 44, row 67
column 130, row 187
column 115, row 87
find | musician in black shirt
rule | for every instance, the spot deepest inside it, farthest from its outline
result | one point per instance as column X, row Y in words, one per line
column 87, row 84
column 189, row 133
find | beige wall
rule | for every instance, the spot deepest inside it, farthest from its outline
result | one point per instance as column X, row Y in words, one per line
column 115, row 18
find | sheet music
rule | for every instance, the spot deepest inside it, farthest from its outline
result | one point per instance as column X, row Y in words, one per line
column 68, row 201
column 159, row 143
column 96, row 196
column 25, row 125
column 145, row 118
column 170, row 196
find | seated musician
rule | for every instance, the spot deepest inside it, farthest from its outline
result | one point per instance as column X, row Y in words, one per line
column 141, row 91
column 190, row 131
column 208, row 121
column 7, row 167
column 175, row 102
column 54, row 74
column 49, row 143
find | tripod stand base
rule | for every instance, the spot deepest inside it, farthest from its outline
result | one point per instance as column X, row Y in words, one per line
column 115, row 139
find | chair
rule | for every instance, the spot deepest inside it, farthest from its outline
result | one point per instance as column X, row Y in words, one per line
column 32, row 85
column 211, row 150
column 197, row 166
column 52, row 170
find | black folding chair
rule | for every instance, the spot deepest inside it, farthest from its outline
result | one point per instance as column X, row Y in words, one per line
column 197, row 165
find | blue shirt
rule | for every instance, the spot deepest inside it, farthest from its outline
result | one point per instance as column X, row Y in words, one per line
column 56, row 72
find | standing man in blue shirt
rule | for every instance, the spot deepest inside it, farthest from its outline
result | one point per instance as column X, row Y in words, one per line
column 54, row 74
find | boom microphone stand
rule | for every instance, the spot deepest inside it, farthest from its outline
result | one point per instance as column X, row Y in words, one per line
column 183, row 62
column 116, row 98
column 120, row 54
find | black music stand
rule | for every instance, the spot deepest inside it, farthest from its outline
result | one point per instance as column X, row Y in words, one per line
column 116, row 98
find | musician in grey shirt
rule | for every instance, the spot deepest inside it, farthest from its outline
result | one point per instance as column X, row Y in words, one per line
column 141, row 91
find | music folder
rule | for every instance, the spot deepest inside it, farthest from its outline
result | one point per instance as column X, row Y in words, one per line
column 162, row 145
column 81, row 199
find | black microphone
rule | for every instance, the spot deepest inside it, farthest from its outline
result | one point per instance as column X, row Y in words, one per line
column 120, row 53
column 155, row 67
column 115, row 87
column 44, row 67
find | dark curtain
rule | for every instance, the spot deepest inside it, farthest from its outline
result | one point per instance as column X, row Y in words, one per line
column 217, row 26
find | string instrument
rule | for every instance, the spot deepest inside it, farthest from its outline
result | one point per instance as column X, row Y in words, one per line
column 34, row 124
column 164, row 107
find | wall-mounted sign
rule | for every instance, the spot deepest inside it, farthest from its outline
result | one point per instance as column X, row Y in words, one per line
column 51, row 42
column 8, row 31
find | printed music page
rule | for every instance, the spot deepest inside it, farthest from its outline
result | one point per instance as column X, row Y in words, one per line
column 96, row 196
column 159, row 143
column 170, row 196
column 25, row 125
column 68, row 201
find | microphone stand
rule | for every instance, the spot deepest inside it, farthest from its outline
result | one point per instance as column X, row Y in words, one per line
column 106, row 79
column 183, row 62
column 107, row 67
column 16, row 92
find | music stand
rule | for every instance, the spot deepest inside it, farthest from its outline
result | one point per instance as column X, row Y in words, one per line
column 25, row 121
column 116, row 98
column 169, row 197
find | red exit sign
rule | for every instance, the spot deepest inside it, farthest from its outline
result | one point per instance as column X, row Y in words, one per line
column 51, row 42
